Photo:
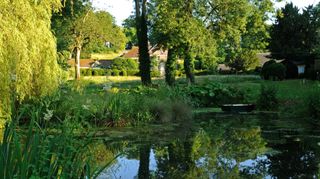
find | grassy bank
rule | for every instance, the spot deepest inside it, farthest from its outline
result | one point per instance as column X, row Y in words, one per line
column 293, row 95
column 121, row 101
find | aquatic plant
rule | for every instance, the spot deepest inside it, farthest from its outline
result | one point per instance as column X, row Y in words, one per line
column 38, row 152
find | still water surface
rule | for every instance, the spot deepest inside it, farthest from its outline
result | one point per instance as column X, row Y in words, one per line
column 216, row 146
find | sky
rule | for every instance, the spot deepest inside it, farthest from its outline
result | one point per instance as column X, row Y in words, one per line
column 121, row 9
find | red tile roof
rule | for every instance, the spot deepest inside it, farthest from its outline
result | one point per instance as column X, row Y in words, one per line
column 84, row 63
column 133, row 53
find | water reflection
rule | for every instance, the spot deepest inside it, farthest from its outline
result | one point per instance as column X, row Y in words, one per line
column 218, row 147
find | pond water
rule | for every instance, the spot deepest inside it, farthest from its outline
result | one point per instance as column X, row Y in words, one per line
column 214, row 146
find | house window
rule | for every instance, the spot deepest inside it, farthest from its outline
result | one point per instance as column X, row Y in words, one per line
column 301, row 69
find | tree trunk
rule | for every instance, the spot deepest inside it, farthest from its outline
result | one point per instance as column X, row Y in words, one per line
column 142, row 33
column 189, row 65
column 77, row 63
column 143, row 172
column 171, row 67
column 188, row 57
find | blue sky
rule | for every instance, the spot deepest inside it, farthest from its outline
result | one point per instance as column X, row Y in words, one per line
column 121, row 9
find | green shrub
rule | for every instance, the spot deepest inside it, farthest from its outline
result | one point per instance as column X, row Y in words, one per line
column 95, row 72
column 214, row 94
column 155, row 73
column 89, row 72
column 132, row 72
column 108, row 72
column 86, row 72
column 313, row 104
column 277, row 71
column 268, row 98
column 115, row 72
column 178, row 73
column 265, row 72
column 124, row 73
column 124, row 64
column 273, row 70
column 201, row 72
column 98, row 72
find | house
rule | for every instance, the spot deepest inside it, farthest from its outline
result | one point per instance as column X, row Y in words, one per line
column 294, row 68
column 154, row 51
column 262, row 57
column 102, row 64
column 90, row 63
column 133, row 53
column 160, row 54
column 84, row 63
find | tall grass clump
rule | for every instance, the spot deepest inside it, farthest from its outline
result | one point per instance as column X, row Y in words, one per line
column 268, row 99
column 143, row 105
column 94, row 105
column 38, row 152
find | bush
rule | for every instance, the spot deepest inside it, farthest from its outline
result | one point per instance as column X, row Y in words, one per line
column 132, row 72
column 86, row 72
column 313, row 103
column 214, row 94
column 124, row 64
column 278, row 71
column 268, row 98
column 108, row 72
column 265, row 72
column 273, row 70
column 178, row 73
column 124, row 73
column 116, row 73
column 98, row 72
column 311, row 74
column 201, row 72
column 246, row 60
column 155, row 73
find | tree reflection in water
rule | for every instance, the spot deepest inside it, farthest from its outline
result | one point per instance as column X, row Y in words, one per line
column 224, row 149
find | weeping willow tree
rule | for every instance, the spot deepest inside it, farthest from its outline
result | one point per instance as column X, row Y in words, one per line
column 28, row 65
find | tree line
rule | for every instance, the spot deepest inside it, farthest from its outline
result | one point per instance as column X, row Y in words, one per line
column 230, row 31
column 211, row 31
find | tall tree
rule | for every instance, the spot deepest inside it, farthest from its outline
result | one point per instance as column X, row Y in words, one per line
column 238, row 26
column 295, row 35
column 142, row 33
column 184, row 35
column 109, row 33
column 28, row 65
column 78, row 26
column 130, row 31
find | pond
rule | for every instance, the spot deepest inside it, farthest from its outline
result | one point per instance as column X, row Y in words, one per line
column 214, row 146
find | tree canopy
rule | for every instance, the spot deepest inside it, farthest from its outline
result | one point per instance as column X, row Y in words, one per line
column 295, row 35
column 28, row 65
column 239, row 27
column 176, row 28
column 79, row 28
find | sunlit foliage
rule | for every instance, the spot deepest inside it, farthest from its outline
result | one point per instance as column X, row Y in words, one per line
column 28, row 66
